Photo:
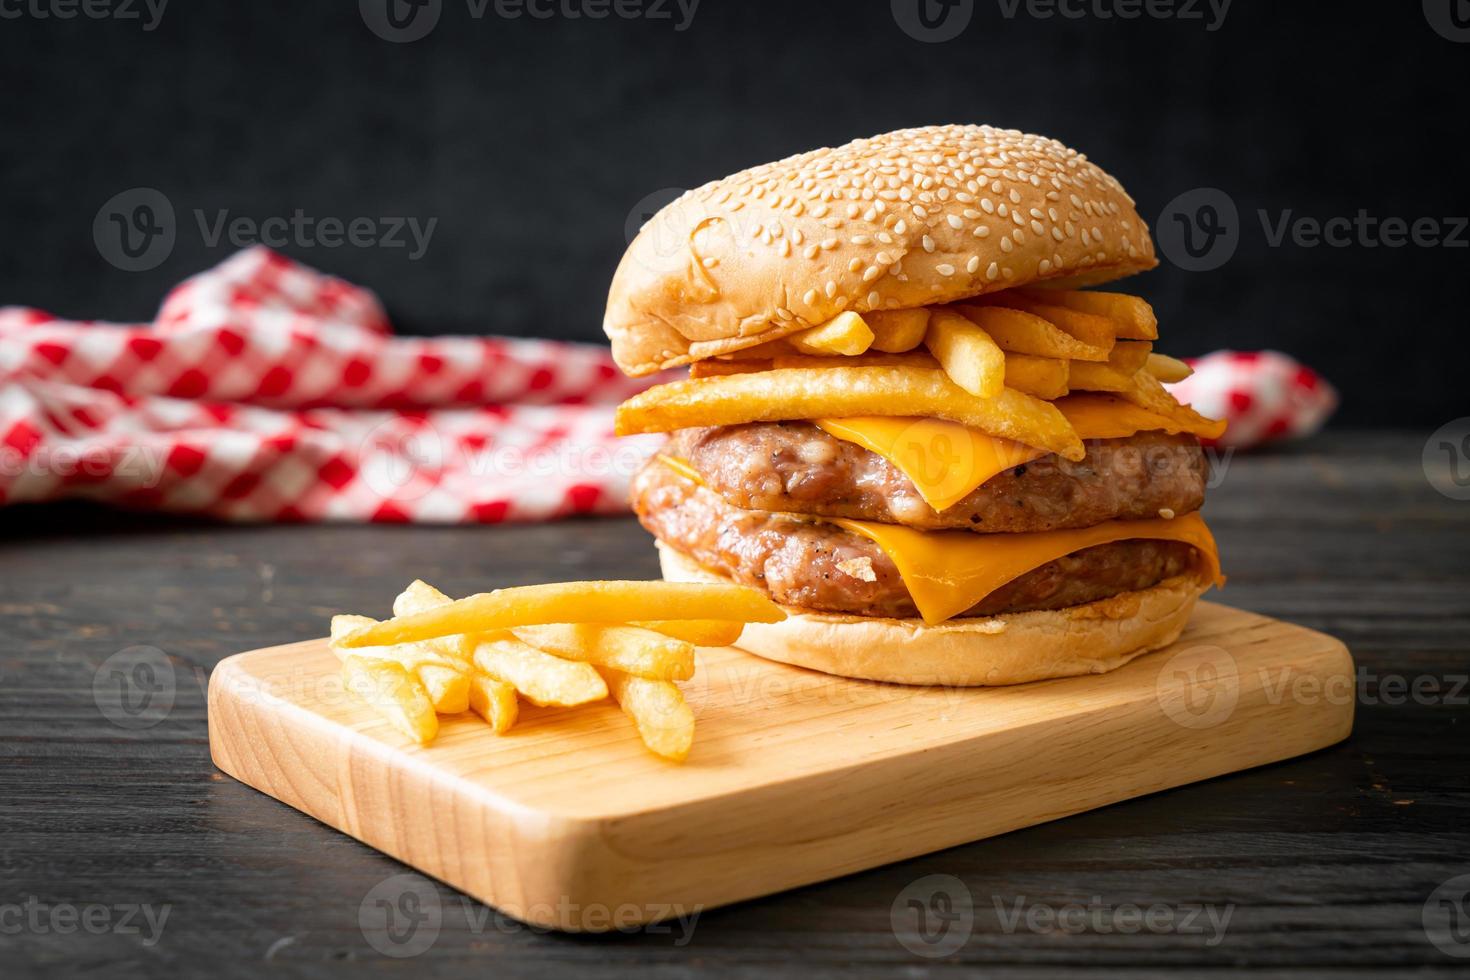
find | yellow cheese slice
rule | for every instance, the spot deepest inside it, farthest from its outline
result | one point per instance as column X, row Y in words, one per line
column 946, row 461
column 948, row 572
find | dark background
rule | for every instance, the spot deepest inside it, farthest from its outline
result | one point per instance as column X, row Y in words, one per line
column 531, row 140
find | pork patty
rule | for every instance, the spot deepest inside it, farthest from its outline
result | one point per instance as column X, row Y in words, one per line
column 795, row 467
column 816, row 565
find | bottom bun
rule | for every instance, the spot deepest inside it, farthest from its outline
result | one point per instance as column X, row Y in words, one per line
column 1009, row 649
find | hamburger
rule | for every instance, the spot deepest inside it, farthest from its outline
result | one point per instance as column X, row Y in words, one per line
column 911, row 418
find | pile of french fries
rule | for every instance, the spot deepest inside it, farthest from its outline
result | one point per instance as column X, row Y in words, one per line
column 562, row 644
column 996, row 363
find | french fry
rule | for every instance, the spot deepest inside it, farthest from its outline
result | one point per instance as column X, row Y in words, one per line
column 574, row 602
column 411, row 655
column 495, row 701
column 845, row 333
column 1016, row 331
column 448, row 688
column 757, row 352
column 790, row 359
column 1133, row 318
column 394, row 693
column 721, row 368
column 798, row 393
column 443, row 680
column 1130, row 356
column 541, row 678
column 1044, row 377
column 970, row 358
column 1167, row 369
column 664, row 721
column 700, row 632
column 420, row 596
column 1147, row 392
column 1091, row 376
column 623, row 648
column 895, row 331
column 1091, row 329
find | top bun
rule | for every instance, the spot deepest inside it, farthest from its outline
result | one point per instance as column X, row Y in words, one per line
column 909, row 218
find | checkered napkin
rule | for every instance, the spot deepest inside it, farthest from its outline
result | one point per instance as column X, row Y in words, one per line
column 1266, row 396
column 267, row 391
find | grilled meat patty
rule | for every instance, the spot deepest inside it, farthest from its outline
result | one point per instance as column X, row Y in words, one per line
column 816, row 565
column 795, row 467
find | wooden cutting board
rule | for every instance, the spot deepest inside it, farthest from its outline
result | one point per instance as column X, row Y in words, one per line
column 795, row 777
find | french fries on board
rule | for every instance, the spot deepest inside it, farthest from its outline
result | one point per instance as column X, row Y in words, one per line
column 560, row 645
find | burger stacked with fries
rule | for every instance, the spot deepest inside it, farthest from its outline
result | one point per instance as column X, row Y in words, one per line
column 561, row 644
column 911, row 419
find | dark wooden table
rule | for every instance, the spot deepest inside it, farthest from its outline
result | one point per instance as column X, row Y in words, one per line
column 1324, row 863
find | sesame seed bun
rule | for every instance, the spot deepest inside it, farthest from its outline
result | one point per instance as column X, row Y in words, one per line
column 1016, row 648
column 909, row 218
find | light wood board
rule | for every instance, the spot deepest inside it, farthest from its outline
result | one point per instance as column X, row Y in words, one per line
column 795, row 777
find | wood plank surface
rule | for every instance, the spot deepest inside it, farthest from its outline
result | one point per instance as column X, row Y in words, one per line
column 1326, row 862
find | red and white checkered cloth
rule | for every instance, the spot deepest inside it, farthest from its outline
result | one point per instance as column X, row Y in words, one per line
column 267, row 391
column 1265, row 395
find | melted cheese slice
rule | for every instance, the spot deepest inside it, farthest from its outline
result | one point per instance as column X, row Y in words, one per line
column 946, row 461
column 948, row 572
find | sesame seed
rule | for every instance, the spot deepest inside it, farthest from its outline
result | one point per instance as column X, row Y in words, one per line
column 944, row 269
column 992, row 272
column 810, row 297
column 928, row 243
column 973, row 264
